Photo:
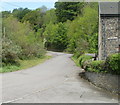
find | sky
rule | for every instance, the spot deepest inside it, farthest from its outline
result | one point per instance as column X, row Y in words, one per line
column 10, row 5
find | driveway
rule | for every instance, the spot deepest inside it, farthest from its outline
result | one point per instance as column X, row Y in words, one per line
column 54, row 81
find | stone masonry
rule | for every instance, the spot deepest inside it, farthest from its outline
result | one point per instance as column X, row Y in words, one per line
column 109, row 29
column 109, row 36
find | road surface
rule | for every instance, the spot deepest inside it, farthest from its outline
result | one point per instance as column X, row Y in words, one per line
column 54, row 81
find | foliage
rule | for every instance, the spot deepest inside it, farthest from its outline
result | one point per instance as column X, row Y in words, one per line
column 50, row 16
column 35, row 18
column 71, row 27
column 5, row 14
column 82, row 32
column 19, row 41
column 67, row 10
column 20, row 13
column 24, row 64
column 75, row 60
column 95, row 66
column 55, row 35
column 112, row 63
column 83, row 58
column 10, row 52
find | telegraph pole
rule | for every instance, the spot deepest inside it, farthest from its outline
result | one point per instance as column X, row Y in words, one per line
column 4, row 32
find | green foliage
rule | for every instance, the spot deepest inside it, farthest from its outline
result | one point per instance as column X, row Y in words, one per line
column 82, row 32
column 67, row 10
column 112, row 63
column 71, row 27
column 20, row 13
column 10, row 52
column 5, row 14
column 24, row 64
column 56, row 37
column 35, row 18
column 9, row 68
column 19, row 41
column 75, row 60
column 50, row 16
column 83, row 58
column 95, row 66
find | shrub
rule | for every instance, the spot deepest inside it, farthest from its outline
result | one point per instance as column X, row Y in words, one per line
column 77, row 54
column 96, row 66
column 10, row 52
column 86, row 64
column 83, row 58
column 20, row 42
column 112, row 63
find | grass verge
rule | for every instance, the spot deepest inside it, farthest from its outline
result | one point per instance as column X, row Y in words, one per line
column 24, row 64
column 75, row 60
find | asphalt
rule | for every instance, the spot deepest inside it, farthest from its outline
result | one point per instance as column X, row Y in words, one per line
column 56, row 80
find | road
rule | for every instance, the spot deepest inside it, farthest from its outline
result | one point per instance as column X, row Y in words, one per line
column 54, row 81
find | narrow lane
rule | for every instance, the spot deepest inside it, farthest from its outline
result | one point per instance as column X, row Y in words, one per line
column 56, row 80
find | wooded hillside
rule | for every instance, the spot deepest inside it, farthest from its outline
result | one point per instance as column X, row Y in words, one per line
column 70, row 27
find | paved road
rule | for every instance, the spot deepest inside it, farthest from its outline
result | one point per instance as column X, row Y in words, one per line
column 56, row 81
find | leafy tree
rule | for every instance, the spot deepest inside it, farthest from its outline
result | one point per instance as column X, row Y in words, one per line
column 22, row 35
column 67, row 10
column 82, row 31
column 5, row 14
column 50, row 16
column 56, row 37
column 35, row 18
column 20, row 13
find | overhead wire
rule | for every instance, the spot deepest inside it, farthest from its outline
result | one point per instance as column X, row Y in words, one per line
column 13, row 4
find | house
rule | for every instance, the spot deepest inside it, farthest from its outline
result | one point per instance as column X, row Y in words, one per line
column 109, row 29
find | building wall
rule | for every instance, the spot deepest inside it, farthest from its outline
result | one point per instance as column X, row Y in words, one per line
column 108, row 36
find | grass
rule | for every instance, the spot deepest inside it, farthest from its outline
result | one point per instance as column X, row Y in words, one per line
column 24, row 64
column 75, row 60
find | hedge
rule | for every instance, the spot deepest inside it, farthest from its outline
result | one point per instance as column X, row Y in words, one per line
column 95, row 66
column 82, row 59
column 110, row 65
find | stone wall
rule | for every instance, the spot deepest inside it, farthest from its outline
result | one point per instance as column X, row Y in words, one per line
column 109, row 39
column 106, row 81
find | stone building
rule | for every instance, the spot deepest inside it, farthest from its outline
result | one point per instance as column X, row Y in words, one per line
column 109, row 35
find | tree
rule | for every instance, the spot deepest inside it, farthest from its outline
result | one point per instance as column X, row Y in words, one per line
column 23, row 37
column 67, row 10
column 20, row 13
column 50, row 16
column 56, row 36
column 82, row 32
column 5, row 14
column 35, row 18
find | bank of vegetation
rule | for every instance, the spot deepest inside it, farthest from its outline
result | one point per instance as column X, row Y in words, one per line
column 110, row 65
column 70, row 27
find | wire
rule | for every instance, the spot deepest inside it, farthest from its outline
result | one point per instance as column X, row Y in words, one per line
column 13, row 4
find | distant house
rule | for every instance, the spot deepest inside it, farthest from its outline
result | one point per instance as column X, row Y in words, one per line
column 109, row 29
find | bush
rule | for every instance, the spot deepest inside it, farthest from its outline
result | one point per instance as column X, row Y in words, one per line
column 112, row 63
column 20, row 42
column 10, row 52
column 96, row 66
column 83, row 58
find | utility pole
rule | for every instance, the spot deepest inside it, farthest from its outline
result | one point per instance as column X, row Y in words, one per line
column 4, row 32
